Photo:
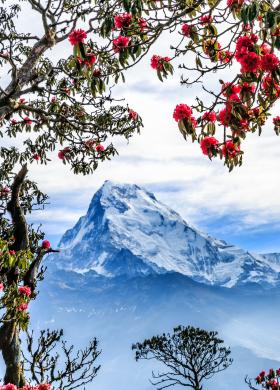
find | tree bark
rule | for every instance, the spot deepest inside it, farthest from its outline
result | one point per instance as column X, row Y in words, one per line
column 11, row 351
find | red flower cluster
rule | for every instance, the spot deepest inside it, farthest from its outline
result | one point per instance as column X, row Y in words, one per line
column 90, row 60
column 77, row 36
column 271, row 88
column 230, row 149
column 158, row 61
column 142, row 23
column 1, row 286
column 209, row 116
column 25, row 290
column 269, row 380
column 206, row 19
column 209, row 145
column 123, row 21
column 27, row 120
column 46, row 244
column 276, row 120
column 186, row 29
column 224, row 56
column 225, row 116
column 61, row 154
column 132, row 114
column 4, row 191
column 182, row 111
column 120, row 43
column 250, row 62
column 235, row 3
column 42, row 386
column 99, row 148
column 36, row 157
column 229, row 89
column 253, row 57
column 269, row 62
column 22, row 307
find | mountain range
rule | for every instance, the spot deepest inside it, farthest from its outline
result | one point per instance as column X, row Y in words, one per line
column 127, row 231
column 132, row 268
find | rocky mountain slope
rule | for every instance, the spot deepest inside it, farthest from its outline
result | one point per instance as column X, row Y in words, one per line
column 128, row 232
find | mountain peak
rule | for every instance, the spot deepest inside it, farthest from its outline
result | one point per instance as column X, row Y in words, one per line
column 127, row 231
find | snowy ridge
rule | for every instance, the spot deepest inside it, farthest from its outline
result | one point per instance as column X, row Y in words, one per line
column 127, row 231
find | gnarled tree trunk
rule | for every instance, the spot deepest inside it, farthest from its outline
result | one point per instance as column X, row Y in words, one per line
column 11, row 351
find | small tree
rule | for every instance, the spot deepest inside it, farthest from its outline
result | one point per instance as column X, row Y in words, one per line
column 190, row 355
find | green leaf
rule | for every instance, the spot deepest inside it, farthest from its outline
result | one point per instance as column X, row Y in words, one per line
column 252, row 12
column 126, row 5
column 244, row 15
column 82, row 50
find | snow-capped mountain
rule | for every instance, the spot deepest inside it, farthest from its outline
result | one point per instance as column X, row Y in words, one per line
column 127, row 231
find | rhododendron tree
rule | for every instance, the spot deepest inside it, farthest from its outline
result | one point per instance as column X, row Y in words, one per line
column 57, row 98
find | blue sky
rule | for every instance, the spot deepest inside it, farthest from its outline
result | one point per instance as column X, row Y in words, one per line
column 242, row 207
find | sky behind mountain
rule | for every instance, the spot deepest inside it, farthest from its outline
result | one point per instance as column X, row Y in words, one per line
column 242, row 207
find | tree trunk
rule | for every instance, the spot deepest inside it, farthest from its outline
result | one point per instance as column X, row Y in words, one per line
column 11, row 351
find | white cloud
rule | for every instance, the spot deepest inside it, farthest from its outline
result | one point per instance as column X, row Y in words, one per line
column 160, row 159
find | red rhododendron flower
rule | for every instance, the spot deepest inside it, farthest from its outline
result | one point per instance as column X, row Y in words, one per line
column 99, row 148
column 25, row 290
column 229, row 89
column 5, row 190
column 27, row 120
column 157, row 62
column 123, row 20
column 22, row 307
column 77, row 36
column 142, row 23
column 46, row 244
column 244, row 45
column 12, row 252
column 206, row 19
column 120, row 43
column 186, row 29
column 276, row 121
column 90, row 59
column 21, row 101
column 224, row 56
column 208, row 145
column 230, row 149
column 10, row 386
column 276, row 32
column 271, row 88
column 45, row 386
column 250, row 62
column 234, row 98
column 132, row 114
column 235, row 3
column 14, row 122
column 248, row 87
column 269, row 62
column 225, row 116
column 61, row 155
column 209, row 116
column 36, row 157
column 265, row 49
column 1, row 286
column 96, row 73
column 182, row 111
